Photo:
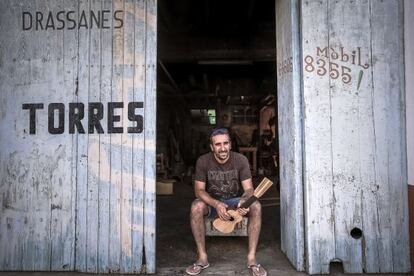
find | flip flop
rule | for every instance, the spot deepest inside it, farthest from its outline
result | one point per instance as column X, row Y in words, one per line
column 196, row 269
column 257, row 270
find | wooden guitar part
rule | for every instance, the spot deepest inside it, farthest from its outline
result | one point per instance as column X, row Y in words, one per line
column 264, row 185
column 227, row 226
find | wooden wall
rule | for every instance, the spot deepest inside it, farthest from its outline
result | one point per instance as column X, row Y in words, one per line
column 409, row 85
column 77, row 135
column 355, row 171
column 290, row 131
column 409, row 88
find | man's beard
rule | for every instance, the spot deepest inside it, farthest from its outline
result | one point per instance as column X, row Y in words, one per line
column 223, row 154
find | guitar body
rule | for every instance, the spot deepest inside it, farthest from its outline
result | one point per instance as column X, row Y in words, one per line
column 227, row 226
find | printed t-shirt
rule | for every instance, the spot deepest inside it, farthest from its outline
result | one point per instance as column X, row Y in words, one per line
column 223, row 181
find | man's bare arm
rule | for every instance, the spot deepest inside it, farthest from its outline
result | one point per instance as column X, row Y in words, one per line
column 248, row 192
column 248, row 189
column 200, row 192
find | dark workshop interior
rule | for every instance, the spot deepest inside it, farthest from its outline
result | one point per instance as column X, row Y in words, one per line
column 216, row 67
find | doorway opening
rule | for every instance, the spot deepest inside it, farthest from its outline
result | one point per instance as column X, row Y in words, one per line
column 216, row 67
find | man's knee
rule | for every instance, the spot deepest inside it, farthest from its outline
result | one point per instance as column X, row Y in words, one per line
column 198, row 207
column 255, row 209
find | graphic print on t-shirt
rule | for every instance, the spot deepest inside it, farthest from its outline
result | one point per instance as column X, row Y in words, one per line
column 223, row 184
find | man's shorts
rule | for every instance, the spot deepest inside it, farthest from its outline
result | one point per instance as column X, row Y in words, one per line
column 212, row 212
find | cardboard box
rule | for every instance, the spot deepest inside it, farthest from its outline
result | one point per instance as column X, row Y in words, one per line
column 165, row 187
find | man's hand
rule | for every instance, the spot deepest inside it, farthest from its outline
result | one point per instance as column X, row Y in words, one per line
column 242, row 211
column 221, row 209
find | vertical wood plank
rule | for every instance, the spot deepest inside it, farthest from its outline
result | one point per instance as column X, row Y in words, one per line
column 290, row 134
column 138, row 140
column 72, row 80
column 366, row 217
column 402, row 246
column 82, row 144
column 348, row 110
column 390, row 156
column 43, row 57
column 150, row 105
column 42, row 201
column 9, row 211
column 116, row 147
column 318, row 178
column 105, row 184
column 62, row 206
column 385, row 252
column 75, row 157
column 93, row 165
column 127, row 96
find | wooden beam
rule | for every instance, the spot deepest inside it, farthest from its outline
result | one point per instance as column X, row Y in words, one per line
column 185, row 55
column 170, row 78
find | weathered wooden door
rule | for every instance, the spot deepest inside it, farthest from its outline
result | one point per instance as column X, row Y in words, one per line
column 355, row 172
column 342, row 135
column 77, row 135
column 290, row 130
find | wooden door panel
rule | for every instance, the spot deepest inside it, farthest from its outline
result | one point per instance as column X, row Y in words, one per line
column 77, row 146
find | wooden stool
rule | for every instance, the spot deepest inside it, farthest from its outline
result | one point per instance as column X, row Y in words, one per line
column 239, row 230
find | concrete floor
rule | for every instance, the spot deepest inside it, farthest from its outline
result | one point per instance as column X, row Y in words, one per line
column 176, row 249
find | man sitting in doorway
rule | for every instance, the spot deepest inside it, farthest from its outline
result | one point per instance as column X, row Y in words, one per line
column 220, row 178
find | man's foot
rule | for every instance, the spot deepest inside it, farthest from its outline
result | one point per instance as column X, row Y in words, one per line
column 257, row 270
column 196, row 268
